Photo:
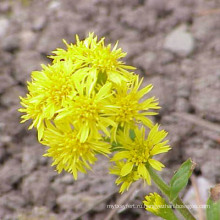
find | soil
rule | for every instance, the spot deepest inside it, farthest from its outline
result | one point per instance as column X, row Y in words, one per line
column 174, row 44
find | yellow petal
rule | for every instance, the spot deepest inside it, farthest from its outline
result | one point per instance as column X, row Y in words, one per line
column 127, row 168
column 142, row 170
column 120, row 155
column 84, row 134
column 156, row 164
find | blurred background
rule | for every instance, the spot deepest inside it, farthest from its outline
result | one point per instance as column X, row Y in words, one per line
column 174, row 44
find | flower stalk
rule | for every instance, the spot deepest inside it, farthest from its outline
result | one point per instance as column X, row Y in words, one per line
column 165, row 189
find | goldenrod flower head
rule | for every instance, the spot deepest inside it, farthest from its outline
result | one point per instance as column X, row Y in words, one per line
column 48, row 91
column 138, row 152
column 130, row 109
column 154, row 203
column 68, row 152
column 93, row 57
column 88, row 109
column 157, row 205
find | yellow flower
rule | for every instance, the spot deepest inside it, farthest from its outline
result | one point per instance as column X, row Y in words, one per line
column 125, row 180
column 157, row 205
column 89, row 95
column 138, row 152
column 48, row 91
column 154, row 202
column 92, row 57
column 33, row 107
column 68, row 152
column 129, row 108
column 88, row 109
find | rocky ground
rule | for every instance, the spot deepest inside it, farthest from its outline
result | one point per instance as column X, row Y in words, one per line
column 174, row 44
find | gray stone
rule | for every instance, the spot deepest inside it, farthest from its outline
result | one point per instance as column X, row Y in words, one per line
column 10, row 174
column 204, row 28
column 4, row 24
column 130, row 47
column 54, row 5
column 215, row 45
column 58, row 186
column 184, row 87
column 4, row 140
column 179, row 41
column 145, row 60
column 12, row 201
column 11, row 96
column 177, row 129
column 5, row 81
column 164, row 57
column 5, row 6
column 131, row 18
column 43, row 160
column 188, row 68
column 10, row 119
column 182, row 105
column 183, row 14
column 36, row 213
column 11, row 43
column 28, row 40
column 78, row 202
column 204, row 155
column 30, row 158
column 206, row 87
column 67, row 179
column 36, row 188
column 3, row 153
column 157, row 5
column 163, row 87
column 51, row 38
column 39, row 23
column 103, row 185
column 70, row 215
column 78, row 186
column 67, row 201
column 26, row 62
column 210, row 168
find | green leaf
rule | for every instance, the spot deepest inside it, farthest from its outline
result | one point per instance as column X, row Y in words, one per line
column 181, row 178
column 213, row 204
column 132, row 134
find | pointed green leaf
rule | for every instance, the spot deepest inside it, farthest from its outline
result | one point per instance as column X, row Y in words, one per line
column 180, row 178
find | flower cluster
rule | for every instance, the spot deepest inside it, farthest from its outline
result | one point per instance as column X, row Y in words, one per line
column 88, row 102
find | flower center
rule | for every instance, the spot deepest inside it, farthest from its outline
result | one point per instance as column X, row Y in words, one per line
column 73, row 147
column 60, row 90
column 102, row 59
column 139, row 154
column 86, row 109
column 127, row 110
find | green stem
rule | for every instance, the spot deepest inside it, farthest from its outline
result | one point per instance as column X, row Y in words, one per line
column 165, row 189
column 169, row 214
column 180, row 206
